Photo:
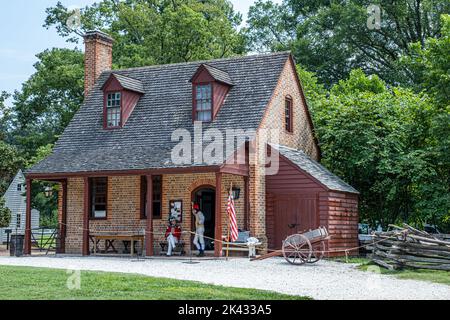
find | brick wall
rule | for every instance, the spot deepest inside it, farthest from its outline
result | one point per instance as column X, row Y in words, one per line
column 302, row 137
column 124, row 206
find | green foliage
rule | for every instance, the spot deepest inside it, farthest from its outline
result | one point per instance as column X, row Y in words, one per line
column 435, row 276
column 391, row 144
column 10, row 162
column 5, row 214
column 41, row 153
column 48, row 100
column 4, row 112
column 158, row 31
column 430, row 64
column 332, row 37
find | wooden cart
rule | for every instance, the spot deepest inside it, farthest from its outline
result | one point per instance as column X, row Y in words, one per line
column 301, row 248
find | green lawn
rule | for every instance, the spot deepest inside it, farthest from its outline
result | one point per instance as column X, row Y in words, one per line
column 436, row 276
column 23, row 283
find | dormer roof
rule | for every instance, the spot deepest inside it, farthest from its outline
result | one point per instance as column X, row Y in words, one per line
column 126, row 82
column 215, row 73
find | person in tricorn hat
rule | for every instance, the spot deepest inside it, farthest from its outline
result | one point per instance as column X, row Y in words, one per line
column 199, row 240
column 173, row 235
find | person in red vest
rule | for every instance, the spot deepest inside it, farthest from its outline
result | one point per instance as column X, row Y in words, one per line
column 173, row 235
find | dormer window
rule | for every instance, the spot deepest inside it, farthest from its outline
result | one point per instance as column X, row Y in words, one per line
column 203, row 102
column 121, row 95
column 113, row 109
column 210, row 87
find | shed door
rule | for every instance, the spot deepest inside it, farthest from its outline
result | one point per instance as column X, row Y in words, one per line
column 293, row 214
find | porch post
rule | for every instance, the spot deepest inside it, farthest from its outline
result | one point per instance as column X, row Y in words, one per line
column 218, row 219
column 27, row 249
column 85, row 250
column 246, row 203
column 63, row 227
column 149, row 212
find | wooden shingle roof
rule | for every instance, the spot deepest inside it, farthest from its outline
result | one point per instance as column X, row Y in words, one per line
column 166, row 105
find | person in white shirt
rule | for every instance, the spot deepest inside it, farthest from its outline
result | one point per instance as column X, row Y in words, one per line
column 199, row 240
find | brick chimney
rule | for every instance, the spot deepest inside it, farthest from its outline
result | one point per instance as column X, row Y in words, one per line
column 97, row 57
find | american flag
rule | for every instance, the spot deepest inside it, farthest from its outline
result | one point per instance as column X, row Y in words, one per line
column 232, row 218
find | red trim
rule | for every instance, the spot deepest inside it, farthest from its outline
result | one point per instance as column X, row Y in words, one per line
column 143, row 196
column 85, row 248
column 63, row 231
column 246, row 203
column 91, row 185
column 149, row 226
column 105, row 114
column 218, row 219
column 194, row 100
column 27, row 249
column 291, row 114
column 111, row 173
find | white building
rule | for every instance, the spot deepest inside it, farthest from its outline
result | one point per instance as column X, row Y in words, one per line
column 16, row 201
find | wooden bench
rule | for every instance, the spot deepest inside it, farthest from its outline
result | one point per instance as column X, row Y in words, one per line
column 179, row 248
column 110, row 238
column 240, row 247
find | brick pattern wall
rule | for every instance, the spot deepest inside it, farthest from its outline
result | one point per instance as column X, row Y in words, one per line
column 74, row 235
column 124, row 207
column 302, row 137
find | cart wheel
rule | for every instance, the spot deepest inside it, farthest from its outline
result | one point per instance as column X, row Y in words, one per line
column 318, row 251
column 297, row 249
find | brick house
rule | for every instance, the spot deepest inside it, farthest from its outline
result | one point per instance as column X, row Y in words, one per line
column 116, row 165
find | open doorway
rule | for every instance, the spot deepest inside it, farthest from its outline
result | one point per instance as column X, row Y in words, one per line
column 205, row 197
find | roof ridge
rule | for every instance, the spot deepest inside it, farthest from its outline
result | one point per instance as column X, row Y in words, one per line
column 201, row 61
column 121, row 75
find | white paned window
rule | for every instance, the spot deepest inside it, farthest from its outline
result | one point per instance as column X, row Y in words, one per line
column 203, row 103
column 113, row 103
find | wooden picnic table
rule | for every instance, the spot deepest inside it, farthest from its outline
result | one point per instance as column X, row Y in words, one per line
column 110, row 238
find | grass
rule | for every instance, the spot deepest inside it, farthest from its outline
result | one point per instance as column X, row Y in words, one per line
column 436, row 276
column 357, row 260
column 24, row 283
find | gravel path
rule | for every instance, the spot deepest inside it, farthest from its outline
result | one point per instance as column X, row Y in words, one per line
column 325, row 280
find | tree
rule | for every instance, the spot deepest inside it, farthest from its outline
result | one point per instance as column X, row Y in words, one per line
column 430, row 64
column 158, row 31
column 4, row 112
column 332, row 37
column 386, row 142
column 5, row 214
column 47, row 101
column 10, row 163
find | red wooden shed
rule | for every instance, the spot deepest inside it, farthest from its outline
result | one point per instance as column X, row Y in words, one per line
column 304, row 195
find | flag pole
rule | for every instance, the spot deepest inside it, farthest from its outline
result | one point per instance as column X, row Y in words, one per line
column 229, row 222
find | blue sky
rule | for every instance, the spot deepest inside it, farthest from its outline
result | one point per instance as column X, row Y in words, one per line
column 23, row 36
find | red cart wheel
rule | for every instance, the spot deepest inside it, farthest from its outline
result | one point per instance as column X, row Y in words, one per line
column 318, row 251
column 297, row 249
